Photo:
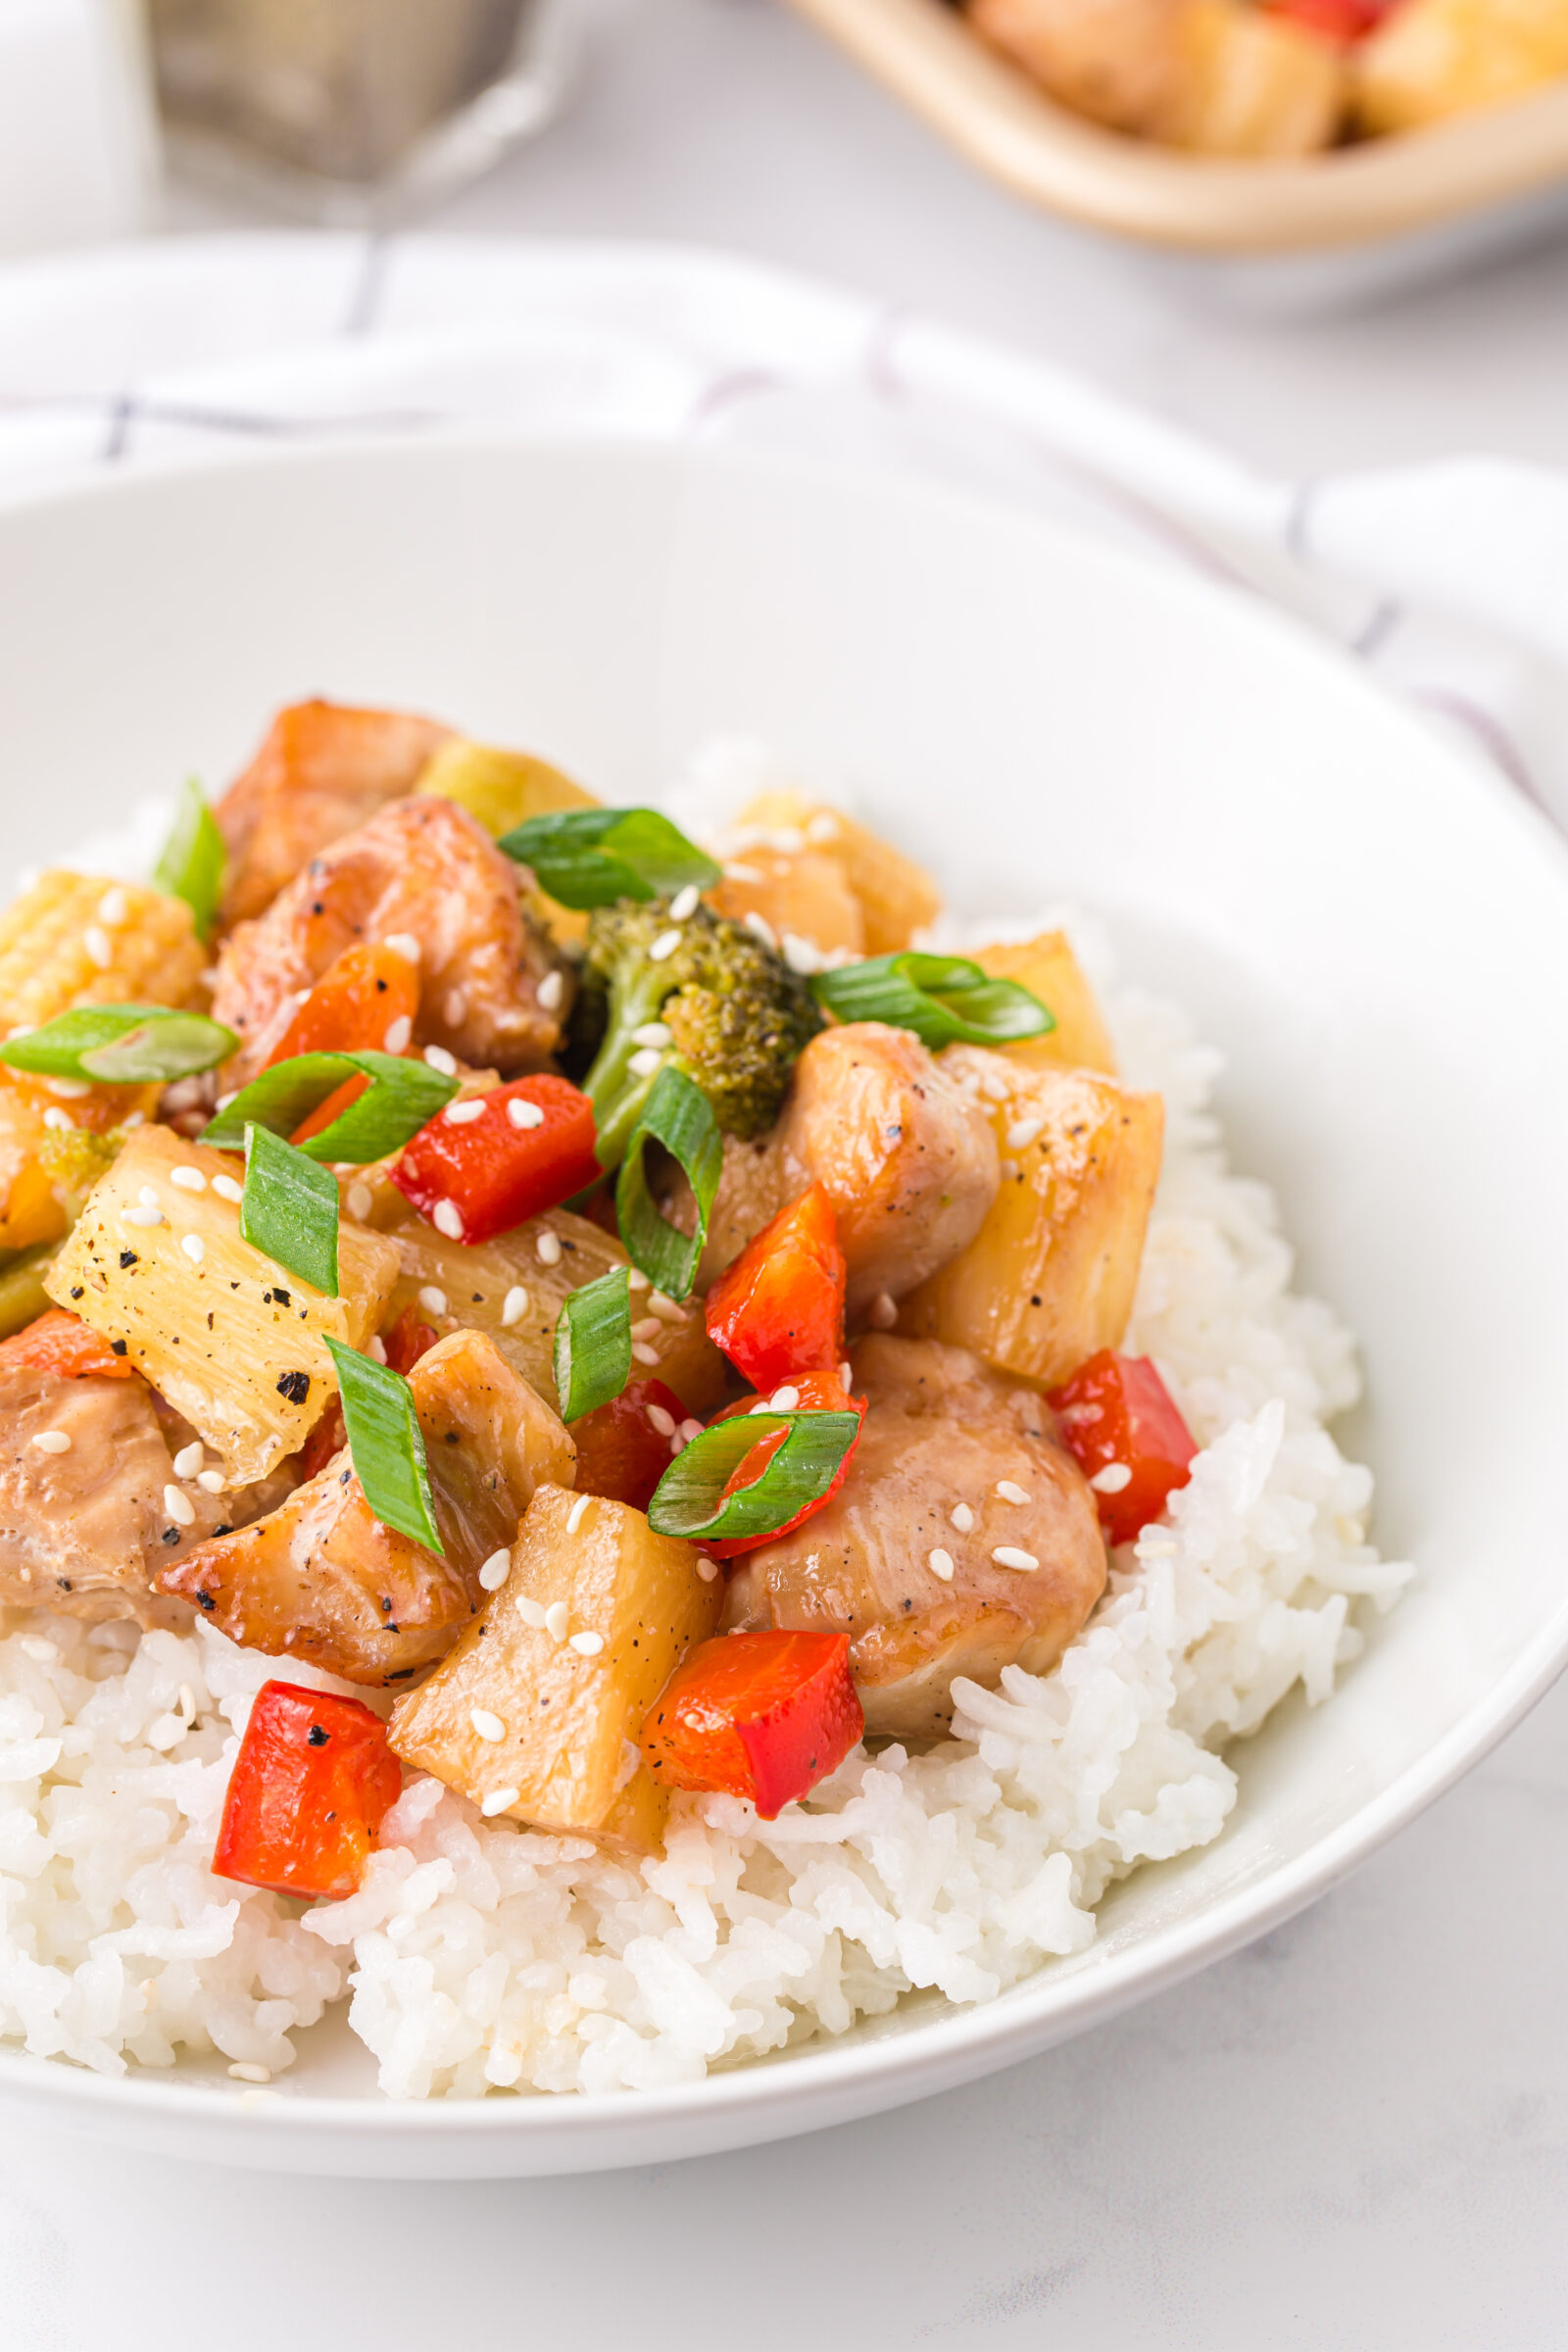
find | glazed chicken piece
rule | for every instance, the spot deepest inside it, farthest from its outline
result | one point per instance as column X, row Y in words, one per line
column 944, row 1435
column 909, row 1160
column 323, row 769
column 424, row 868
column 323, row 1579
column 85, row 1528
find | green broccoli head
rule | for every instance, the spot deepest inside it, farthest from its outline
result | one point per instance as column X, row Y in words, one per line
column 736, row 1017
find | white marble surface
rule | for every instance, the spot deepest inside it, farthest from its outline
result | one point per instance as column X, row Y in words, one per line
column 1354, row 2136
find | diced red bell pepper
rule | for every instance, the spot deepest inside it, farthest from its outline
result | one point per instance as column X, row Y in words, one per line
column 1116, row 1415
column 311, row 1785
column 779, row 1308
column 328, row 1437
column 61, row 1343
column 814, row 1393
column 1342, row 21
column 758, row 1715
column 494, row 1172
column 410, row 1338
column 622, row 1451
column 353, row 1004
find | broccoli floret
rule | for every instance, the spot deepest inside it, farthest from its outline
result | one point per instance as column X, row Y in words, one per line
column 736, row 1016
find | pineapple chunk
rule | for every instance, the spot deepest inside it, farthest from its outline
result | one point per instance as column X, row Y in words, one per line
column 1435, row 57
column 501, row 788
column 1080, row 1041
column 1049, row 1277
column 233, row 1341
column 1253, row 84
column 894, row 897
column 565, row 1756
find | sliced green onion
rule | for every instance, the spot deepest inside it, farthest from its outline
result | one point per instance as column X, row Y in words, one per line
column 191, row 866
column 289, row 1209
column 677, row 1116
column 946, row 1000
column 122, row 1045
column 402, row 1097
column 592, row 856
column 593, row 1343
column 387, row 1445
column 688, row 1499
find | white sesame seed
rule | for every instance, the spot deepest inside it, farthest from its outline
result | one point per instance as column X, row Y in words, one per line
column 883, row 1312
column 684, row 904
column 1007, row 1555
column 433, row 1301
column 940, row 1563
column 531, row 1611
column 179, row 1507
column 136, row 1118
column 514, row 1306
column 446, row 1219
column 666, row 1307
column 195, row 1247
column 60, row 1120
column 587, row 1645
column 661, row 1420
column 823, row 826
column 375, row 1349
column 223, row 1101
column 243, row 2071
column 550, row 991
column 404, row 944
column 465, row 1110
column 555, row 1621
column 1022, row 1133
column 148, row 1197
column 440, row 1059
column 211, row 1482
column 1010, row 1491
column 690, row 1429
column 803, row 956
column 398, row 1034
column 1153, row 1547
column 188, row 1460
column 113, row 908
column 493, row 1575
column 677, row 1444
column 1112, row 1479
column 646, row 1326
column 548, row 1246
column 499, row 1800
column 1008, row 1170
column 39, row 1649
column 187, row 1702
column 455, row 1008
column 99, row 946
column 643, row 1354
column 652, row 1033
column 52, row 1441
column 188, row 1179
column 846, row 1374
column 784, row 1400
column 736, row 871
column 761, row 928
column 664, row 946
column 70, row 1090
column 228, row 1189
column 486, row 1726
column 147, row 1217
column 575, row 1514
column 523, row 1113
column 644, row 1061
column 636, row 1278
column 962, row 1517
column 707, row 1570
column 994, row 1087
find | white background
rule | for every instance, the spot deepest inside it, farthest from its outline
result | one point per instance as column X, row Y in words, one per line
column 1354, row 2136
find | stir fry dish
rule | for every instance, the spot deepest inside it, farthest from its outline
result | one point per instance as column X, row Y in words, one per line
column 646, row 1321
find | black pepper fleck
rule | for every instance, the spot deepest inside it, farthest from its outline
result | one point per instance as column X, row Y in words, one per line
column 128, row 1258
column 295, row 1386
column 318, row 1735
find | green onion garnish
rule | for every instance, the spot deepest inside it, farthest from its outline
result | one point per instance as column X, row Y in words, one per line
column 122, row 1045
column 677, row 1116
column 402, row 1097
column 688, row 1501
column 387, row 1445
column 191, row 866
column 592, row 856
column 289, row 1209
column 593, row 1343
column 946, row 1000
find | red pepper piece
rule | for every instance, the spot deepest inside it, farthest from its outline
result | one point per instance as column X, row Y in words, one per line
column 353, row 1004
column 311, row 1785
column 620, row 1451
column 1116, row 1413
column 61, row 1343
column 779, row 1308
column 409, row 1339
column 1341, row 20
column 758, row 1715
column 814, row 1393
column 493, row 1172
column 328, row 1437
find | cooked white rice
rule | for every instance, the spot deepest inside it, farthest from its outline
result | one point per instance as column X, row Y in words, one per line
column 478, row 1955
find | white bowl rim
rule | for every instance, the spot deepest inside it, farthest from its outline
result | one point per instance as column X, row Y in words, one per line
column 797, row 2090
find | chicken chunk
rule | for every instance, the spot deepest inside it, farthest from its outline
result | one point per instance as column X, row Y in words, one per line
column 946, row 1449
column 423, row 868
column 908, row 1160
column 323, row 1579
column 86, row 1526
column 323, row 770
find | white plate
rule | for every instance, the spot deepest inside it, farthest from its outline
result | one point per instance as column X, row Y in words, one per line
column 1376, row 934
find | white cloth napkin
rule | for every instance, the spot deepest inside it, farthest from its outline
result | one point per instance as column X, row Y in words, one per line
column 1449, row 580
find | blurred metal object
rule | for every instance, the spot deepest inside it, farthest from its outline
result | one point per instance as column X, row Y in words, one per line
column 352, row 110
